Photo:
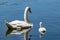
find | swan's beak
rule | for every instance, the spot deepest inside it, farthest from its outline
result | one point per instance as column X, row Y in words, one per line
column 30, row 10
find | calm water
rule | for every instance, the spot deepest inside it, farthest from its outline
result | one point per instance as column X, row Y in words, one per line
column 46, row 10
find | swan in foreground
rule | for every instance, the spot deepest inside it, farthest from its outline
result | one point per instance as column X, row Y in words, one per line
column 20, row 25
column 42, row 30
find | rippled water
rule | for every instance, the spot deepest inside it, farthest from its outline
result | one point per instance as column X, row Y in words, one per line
column 46, row 10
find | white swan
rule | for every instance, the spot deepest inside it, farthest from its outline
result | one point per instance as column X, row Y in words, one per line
column 42, row 30
column 21, row 24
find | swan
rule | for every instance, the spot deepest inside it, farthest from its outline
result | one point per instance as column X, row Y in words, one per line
column 21, row 24
column 42, row 30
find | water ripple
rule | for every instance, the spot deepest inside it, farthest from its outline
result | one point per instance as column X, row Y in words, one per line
column 3, row 3
column 7, row 3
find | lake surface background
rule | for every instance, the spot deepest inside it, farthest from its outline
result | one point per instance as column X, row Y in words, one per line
column 46, row 10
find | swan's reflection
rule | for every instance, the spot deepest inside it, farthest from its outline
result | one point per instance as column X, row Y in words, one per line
column 41, row 35
column 19, row 31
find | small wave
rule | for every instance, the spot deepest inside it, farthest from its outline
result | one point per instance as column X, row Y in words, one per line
column 3, row 3
column 14, row 4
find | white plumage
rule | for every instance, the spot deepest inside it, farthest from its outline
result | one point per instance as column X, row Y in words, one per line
column 18, row 23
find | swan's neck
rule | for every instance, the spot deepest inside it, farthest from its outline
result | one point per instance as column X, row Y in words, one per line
column 26, row 15
column 40, row 24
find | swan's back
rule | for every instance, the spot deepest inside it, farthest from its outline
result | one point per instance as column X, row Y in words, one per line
column 17, row 23
column 42, row 29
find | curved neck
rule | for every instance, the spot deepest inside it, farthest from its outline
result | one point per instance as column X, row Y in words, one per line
column 40, row 24
column 26, row 15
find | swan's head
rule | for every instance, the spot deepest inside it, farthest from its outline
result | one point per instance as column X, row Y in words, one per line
column 28, row 9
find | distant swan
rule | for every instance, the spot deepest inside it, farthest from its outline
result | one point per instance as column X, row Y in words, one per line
column 21, row 24
column 42, row 30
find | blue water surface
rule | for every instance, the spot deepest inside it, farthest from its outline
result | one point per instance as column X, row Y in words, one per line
column 46, row 10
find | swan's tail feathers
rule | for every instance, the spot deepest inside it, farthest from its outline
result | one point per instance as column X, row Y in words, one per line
column 8, row 25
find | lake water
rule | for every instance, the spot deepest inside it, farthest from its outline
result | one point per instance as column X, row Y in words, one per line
column 46, row 10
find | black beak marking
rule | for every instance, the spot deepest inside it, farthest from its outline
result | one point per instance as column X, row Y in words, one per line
column 29, row 10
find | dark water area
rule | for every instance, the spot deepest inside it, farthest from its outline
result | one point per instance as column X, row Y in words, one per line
column 46, row 10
